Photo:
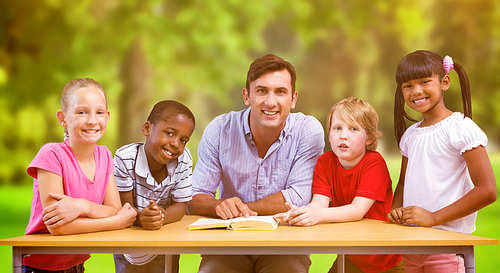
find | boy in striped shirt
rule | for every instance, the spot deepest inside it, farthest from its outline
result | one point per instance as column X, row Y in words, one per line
column 155, row 176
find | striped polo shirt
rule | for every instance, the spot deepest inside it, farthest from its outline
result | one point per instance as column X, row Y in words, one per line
column 132, row 173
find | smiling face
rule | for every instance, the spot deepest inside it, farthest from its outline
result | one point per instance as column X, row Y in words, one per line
column 348, row 142
column 166, row 140
column 86, row 116
column 270, row 98
column 425, row 95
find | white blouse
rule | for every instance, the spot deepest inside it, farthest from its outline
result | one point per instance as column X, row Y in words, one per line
column 437, row 174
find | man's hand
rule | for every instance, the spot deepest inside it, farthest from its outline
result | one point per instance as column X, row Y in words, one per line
column 152, row 216
column 233, row 207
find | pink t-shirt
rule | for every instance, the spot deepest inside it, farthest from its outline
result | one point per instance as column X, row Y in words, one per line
column 59, row 159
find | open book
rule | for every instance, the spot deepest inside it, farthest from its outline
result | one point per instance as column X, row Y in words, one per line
column 239, row 223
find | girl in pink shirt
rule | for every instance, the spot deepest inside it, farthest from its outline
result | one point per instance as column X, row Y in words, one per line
column 74, row 190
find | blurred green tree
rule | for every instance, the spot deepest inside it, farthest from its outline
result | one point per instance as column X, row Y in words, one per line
column 198, row 52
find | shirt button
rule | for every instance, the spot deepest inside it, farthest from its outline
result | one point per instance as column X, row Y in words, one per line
column 260, row 187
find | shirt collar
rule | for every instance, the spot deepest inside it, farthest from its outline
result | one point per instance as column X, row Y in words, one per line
column 246, row 125
column 141, row 164
column 142, row 167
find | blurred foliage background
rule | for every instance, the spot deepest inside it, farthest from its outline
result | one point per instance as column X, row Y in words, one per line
column 198, row 52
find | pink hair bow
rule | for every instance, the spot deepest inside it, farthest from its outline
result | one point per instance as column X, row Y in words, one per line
column 447, row 64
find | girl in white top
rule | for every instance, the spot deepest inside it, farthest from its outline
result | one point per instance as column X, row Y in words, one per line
column 446, row 175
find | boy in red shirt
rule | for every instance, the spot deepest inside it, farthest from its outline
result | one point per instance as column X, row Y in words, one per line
column 354, row 177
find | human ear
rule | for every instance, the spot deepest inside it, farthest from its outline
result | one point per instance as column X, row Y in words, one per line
column 295, row 95
column 61, row 118
column 146, row 128
column 246, row 96
column 445, row 82
column 369, row 141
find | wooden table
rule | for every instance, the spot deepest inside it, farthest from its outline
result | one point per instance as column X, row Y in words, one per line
column 363, row 237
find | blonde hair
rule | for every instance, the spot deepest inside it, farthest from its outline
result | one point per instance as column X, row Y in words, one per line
column 357, row 112
column 71, row 87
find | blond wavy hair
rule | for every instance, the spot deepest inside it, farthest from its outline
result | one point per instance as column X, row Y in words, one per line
column 356, row 111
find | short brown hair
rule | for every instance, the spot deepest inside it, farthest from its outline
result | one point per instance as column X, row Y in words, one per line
column 269, row 63
column 356, row 111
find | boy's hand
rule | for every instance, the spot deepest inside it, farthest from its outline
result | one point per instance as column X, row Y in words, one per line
column 418, row 216
column 396, row 215
column 233, row 207
column 152, row 216
column 304, row 216
column 285, row 216
column 65, row 210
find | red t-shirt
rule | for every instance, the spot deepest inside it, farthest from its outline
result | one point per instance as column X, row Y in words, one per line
column 370, row 179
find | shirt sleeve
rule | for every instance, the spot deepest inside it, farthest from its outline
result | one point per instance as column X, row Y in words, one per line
column 321, row 185
column 124, row 181
column 299, row 185
column 375, row 178
column 466, row 135
column 403, row 143
column 47, row 159
column 207, row 173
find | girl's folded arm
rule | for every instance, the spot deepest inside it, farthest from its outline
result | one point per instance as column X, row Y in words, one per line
column 108, row 216
column 65, row 218
column 124, row 218
column 111, row 203
column 56, row 212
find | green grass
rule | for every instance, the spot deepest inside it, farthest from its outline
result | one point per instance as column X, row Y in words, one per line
column 15, row 205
